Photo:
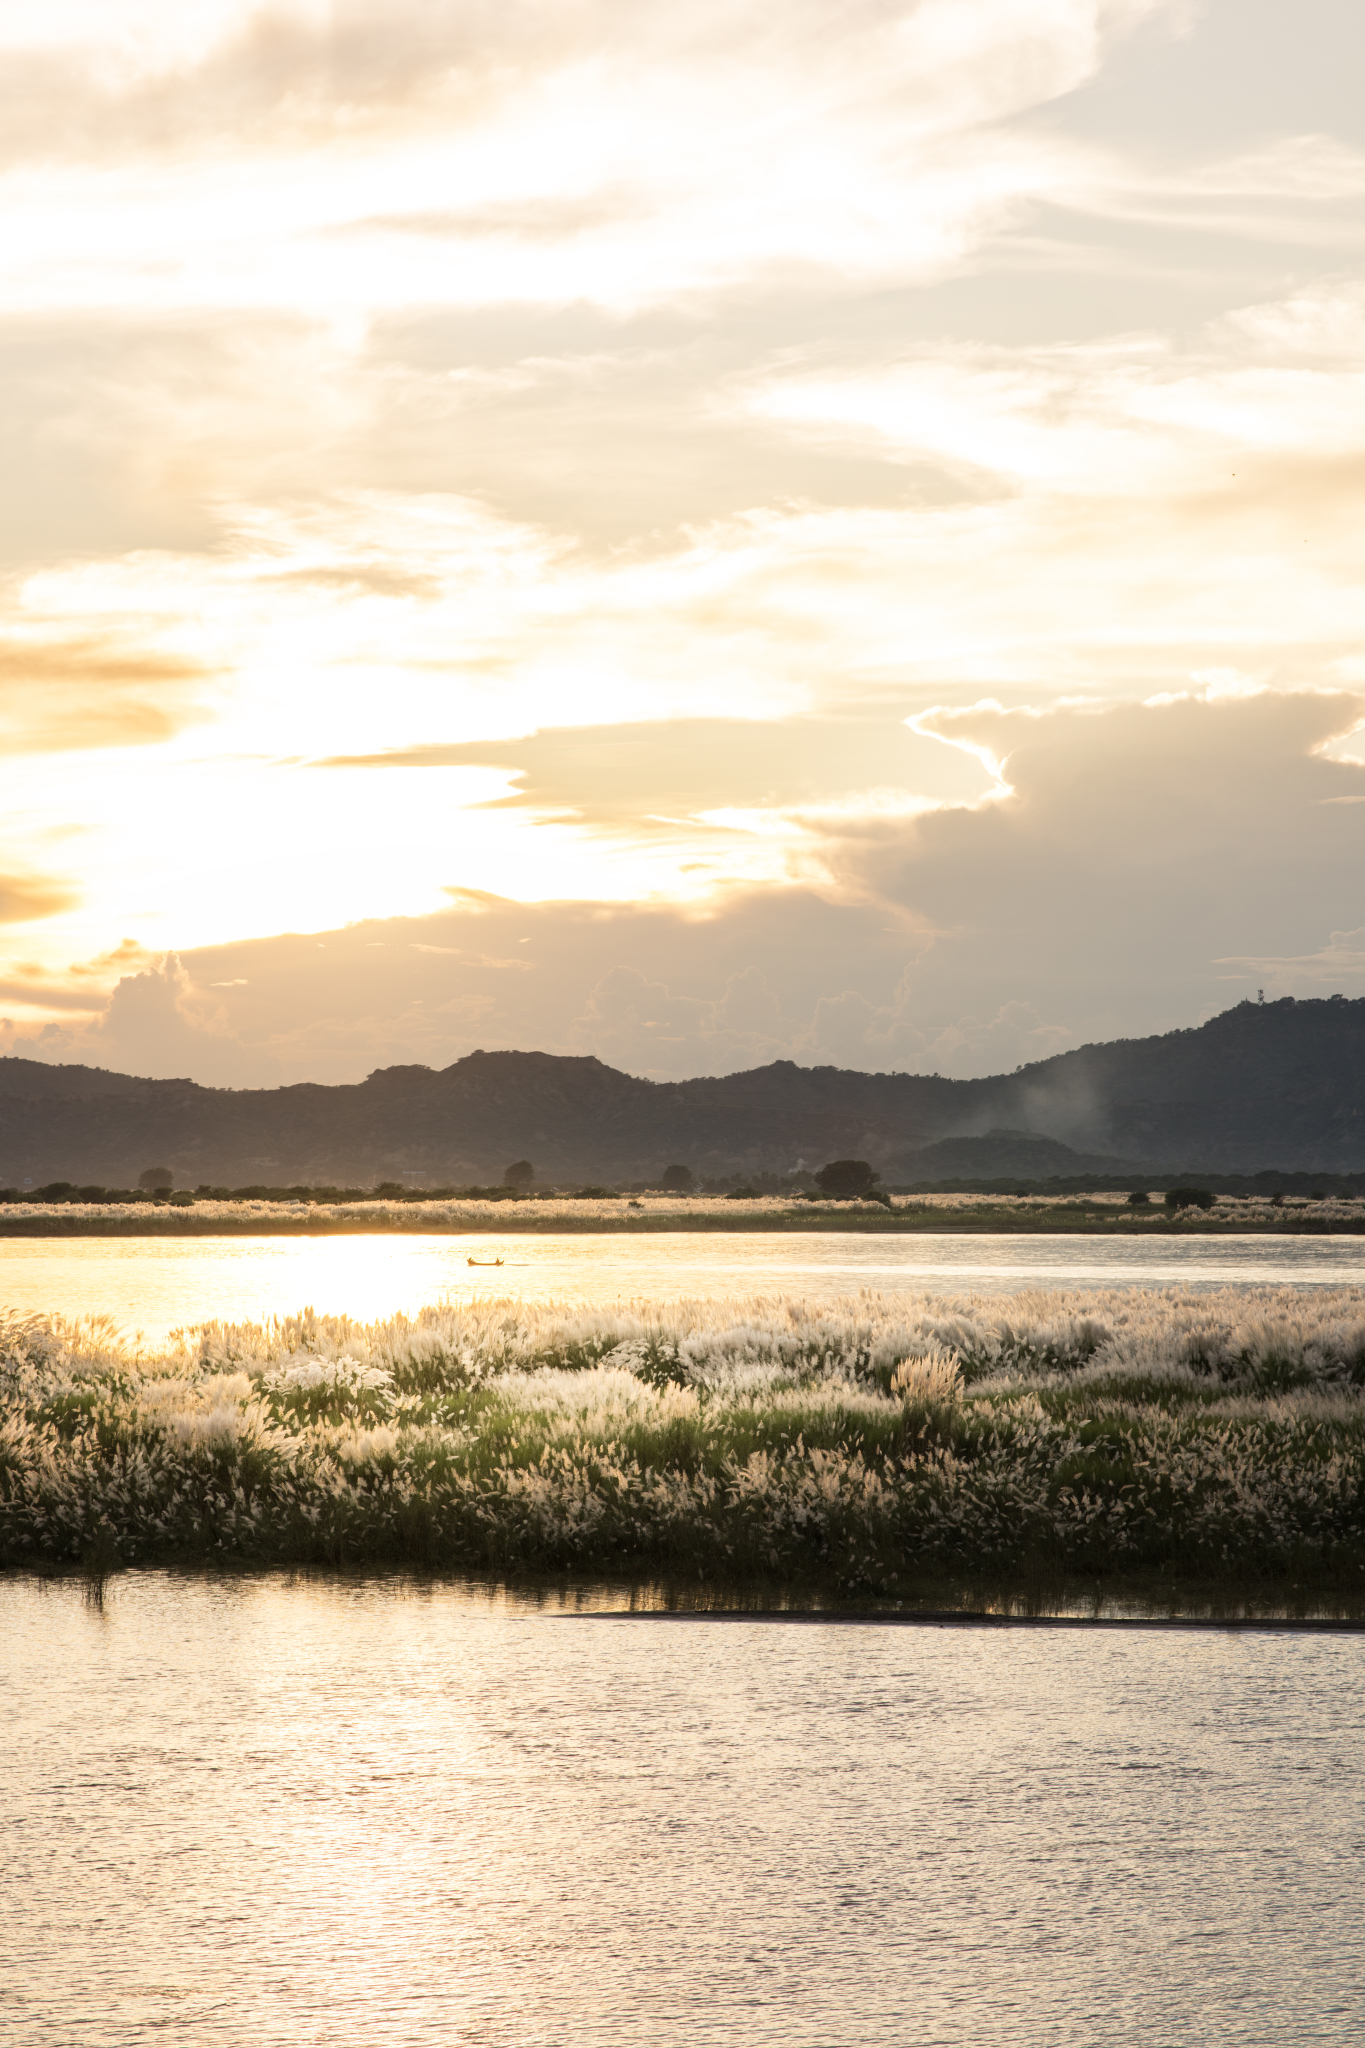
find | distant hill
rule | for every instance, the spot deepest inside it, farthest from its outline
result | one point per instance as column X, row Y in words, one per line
column 1263, row 1085
column 1008, row 1155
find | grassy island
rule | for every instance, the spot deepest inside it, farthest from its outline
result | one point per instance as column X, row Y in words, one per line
column 1097, row 1215
column 1204, row 1450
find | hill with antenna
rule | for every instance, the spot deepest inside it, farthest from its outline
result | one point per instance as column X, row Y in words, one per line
column 1274, row 1085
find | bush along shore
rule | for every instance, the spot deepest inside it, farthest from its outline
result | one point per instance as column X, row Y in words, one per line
column 324, row 1213
column 1206, row 1448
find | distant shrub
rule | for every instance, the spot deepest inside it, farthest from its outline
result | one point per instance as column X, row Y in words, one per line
column 1189, row 1198
column 676, row 1179
column 519, row 1174
column 1139, row 1199
column 155, row 1178
column 846, row 1179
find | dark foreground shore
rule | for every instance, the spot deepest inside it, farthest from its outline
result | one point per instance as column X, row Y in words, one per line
column 1003, row 1617
column 1115, row 1602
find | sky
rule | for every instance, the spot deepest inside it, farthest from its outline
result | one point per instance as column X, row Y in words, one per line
column 697, row 535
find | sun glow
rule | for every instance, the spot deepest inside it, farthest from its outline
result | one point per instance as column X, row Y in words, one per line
column 380, row 384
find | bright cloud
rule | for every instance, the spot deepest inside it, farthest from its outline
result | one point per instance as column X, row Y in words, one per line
column 1144, row 864
column 395, row 403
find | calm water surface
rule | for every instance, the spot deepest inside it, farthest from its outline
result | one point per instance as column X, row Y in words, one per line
column 259, row 1811
column 279, row 1813
column 154, row 1285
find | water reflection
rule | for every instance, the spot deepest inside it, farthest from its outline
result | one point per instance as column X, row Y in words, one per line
column 153, row 1285
column 263, row 1811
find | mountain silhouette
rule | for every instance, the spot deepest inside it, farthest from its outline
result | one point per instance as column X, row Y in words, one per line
column 1272, row 1085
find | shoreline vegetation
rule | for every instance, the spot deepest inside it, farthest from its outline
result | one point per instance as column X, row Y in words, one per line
column 312, row 1214
column 1093, row 1451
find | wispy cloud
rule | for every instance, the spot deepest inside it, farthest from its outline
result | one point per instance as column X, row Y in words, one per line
column 629, row 418
column 24, row 898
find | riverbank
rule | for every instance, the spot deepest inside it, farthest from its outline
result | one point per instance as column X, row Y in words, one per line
column 928, row 1215
column 1209, row 1449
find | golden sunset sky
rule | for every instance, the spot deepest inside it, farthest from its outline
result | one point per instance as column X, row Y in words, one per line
column 697, row 534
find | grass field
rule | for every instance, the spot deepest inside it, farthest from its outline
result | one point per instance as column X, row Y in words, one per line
column 1189, row 1448
column 1088, row 1215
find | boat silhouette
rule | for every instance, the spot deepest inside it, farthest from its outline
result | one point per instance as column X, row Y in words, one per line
column 483, row 1262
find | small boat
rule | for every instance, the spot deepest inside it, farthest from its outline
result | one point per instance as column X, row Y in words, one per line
column 483, row 1262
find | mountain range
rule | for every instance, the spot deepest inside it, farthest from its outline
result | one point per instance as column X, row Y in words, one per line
column 1264, row 1085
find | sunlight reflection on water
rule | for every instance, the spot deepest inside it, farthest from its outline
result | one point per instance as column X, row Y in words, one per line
column 300, row 1812
column 153, row 1285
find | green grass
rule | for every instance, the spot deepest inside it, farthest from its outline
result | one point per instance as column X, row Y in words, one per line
column 1191, row 1453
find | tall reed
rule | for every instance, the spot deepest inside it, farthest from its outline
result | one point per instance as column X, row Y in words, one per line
column 862, row 1446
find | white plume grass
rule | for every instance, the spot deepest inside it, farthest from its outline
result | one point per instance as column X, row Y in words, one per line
column 851, row 1443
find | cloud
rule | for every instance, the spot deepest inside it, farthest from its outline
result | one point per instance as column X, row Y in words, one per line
column 1014, row 1037
column 628, row 1017
column 658, row 989
column 26, row 898
column 305, row 141
column 72, row 696
column 1214, row 74
column 673, row 769
column 1133, row 499
column 626, row 417
column 1145, row 865
column 145, row 1016
column 45, row 996
column 120, row 431
column 186, row 77
column 1341, row 960
column 159, row 1024
column 1135, row 840
column 847, row 1030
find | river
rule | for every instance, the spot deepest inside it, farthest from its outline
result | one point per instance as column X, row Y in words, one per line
column 294, row 1811
column 289, row 1812
column 153, row 1285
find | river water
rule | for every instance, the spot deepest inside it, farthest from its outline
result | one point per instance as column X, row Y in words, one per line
column 271, row 1812
column 296, row 1812
column 154, row 1285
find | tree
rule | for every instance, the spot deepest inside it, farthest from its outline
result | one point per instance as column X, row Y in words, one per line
column 1139, row 1199
column 846, row 1179
column 519, row 1174
column 1189, row 1198
column 156, row 1179
column 677, row 1179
